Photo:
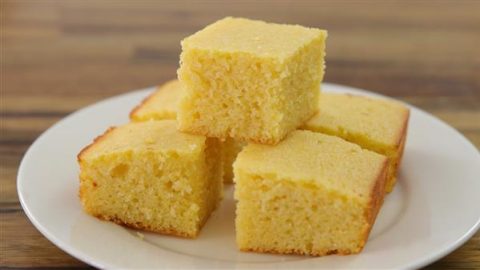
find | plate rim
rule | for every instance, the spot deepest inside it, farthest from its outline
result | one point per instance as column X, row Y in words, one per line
column 91, row 260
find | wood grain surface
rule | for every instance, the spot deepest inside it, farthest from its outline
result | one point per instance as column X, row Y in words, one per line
column 57, row 57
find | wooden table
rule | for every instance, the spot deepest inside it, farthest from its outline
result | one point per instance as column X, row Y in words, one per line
column 57, row 57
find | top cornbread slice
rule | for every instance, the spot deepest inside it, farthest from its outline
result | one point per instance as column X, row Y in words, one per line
column 162, row 104
column 266, row 40
column 310, row 194
column 250, row 80
column 375, row 124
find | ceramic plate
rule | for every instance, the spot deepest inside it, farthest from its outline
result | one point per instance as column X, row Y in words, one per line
column 434, row 208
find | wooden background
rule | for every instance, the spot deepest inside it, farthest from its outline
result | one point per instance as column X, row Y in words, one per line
column 57, row 57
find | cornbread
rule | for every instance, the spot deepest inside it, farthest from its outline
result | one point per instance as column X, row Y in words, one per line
column 250, row 80
column 162, row 104
column 150, row 176
column 374, row 124
column 311, row 194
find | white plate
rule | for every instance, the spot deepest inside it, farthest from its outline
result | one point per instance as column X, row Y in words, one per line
column 434, row 208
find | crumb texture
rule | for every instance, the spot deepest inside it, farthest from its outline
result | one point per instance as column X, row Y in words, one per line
column 163, row 104
column 311, row 194
column 242, row 92
column 150, row 176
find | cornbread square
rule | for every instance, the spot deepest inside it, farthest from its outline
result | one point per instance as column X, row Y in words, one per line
column 374, row 124
column 311, row 194
column 250, row 80
column 163, row 104
column 150, row 176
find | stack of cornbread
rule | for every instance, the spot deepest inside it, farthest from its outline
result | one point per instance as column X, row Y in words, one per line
column 310, row 169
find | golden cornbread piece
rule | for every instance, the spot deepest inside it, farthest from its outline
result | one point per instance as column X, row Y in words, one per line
column 250, row 80
column 162, row 104
column 150, row 176
column 311, row 194
column 374, row 124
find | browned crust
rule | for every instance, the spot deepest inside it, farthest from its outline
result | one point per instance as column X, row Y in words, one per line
column 144, row 227
column 403, row 133
column 376, row 201
column 97, row 140
column 396, row 160
column 315, row 253
column 144, row 101
column 140, row 226
column 401, row 145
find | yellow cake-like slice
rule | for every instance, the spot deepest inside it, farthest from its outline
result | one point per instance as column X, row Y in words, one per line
column 162, row 104
column 150, row 176
column 250, row 80
column 311, row 194
column 374, row 124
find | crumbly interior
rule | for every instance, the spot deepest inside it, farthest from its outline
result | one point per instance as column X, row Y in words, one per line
column 163, row 104
column 213, row 175
column 283, row 216
column 171, row 192
column 249, row 95
column 310, row 194
column 374, row 124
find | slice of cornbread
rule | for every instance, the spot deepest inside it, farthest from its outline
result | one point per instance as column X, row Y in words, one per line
column 150, row 176
column 374, row 124
column 162, row 104
column 311, row 194
column 250, row 80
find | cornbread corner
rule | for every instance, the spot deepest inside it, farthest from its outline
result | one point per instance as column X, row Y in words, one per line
column 374, row 124
column 250, row 80
column 160, row 105
column 311, row 194
column 150, row 176
column 163, row 104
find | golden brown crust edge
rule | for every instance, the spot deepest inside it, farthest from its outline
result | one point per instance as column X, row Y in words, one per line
column 399, row 153
column 97, row 140
column 143, row 227
column 376, row 202
column 158, row 89
column 402, row 142
column 143, row 102
column 403, row 133
column 299, row 252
